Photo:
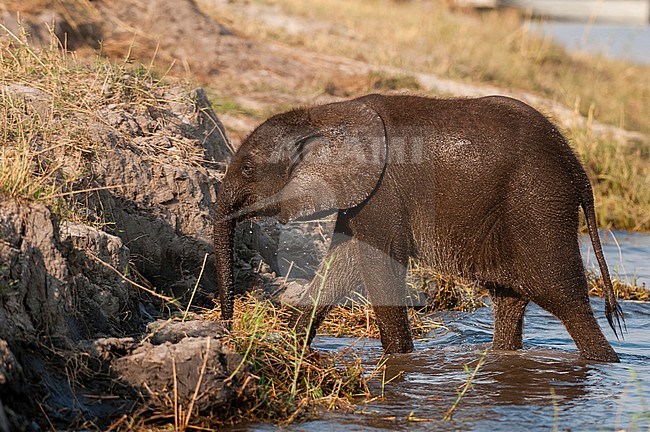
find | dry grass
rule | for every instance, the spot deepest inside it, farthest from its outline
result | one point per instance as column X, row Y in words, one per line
column 359, row 320
column 36, row 6
column 292, row 379
column 497, row 48
column 445, row 292
column 620, row 175
column 623, row 290
column 50, row 104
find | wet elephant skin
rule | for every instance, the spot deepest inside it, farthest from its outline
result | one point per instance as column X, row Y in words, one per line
column 487, row 189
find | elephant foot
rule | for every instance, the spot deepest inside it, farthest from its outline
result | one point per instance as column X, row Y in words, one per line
column 305, row 321
column 603, row 354
column 587, row 335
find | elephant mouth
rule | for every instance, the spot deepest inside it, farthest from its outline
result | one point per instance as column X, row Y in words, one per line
column 321, row 214
column 260, row 209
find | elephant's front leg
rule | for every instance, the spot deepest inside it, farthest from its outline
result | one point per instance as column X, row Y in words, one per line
column 385, row 280
column 337, row 276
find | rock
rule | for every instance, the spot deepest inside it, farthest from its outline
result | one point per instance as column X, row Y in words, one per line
column 168, row 178
column 108, row 348
column 157, row 372
column 53, row 294
column 97, row 261
column 293, row 292
column 10, row 369
column 160, row 165
column 175, row 355
column 35, row 293
column 269, row 253
column 4, row 422
column 31, row 96
column 67, row 285
column 174, row 331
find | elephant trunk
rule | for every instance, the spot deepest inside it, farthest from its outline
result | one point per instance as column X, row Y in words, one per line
column 224, row 228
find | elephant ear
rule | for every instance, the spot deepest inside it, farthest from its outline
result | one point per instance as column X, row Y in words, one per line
column 337, row 166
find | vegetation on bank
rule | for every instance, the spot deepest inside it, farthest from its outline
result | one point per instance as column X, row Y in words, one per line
column 292, row 379
column 620, row 176
column 50, row 104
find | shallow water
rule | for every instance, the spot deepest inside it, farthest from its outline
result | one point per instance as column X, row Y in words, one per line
column 628, row 42
column 542, row 387
column 627, row 255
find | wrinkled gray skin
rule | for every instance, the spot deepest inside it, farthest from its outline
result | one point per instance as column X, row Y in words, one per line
column 487, row 189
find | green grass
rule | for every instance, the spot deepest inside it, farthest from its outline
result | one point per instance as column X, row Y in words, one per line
column 292, row 380
column 228, row 105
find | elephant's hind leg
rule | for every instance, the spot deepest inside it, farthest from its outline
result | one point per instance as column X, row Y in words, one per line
column 572, row 307
column 587, row 335
column 568, row 300
column 508, row 307
column 551, row 273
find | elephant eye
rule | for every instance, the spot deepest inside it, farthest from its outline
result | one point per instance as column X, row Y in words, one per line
column 247, row 169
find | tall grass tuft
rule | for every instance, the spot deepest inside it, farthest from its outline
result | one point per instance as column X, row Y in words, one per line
column 292, row 381
column 620, row 176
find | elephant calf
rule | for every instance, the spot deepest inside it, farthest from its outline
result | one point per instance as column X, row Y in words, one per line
column 487, row 189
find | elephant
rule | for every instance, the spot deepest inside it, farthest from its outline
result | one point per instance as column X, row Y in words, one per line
column 487, row 189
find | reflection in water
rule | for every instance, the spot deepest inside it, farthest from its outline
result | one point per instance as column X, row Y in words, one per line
column 526, row 379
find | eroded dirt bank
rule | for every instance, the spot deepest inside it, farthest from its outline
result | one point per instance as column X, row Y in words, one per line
column 73, row 320
column 80, row 294
column 79, row 340
column 84, row 280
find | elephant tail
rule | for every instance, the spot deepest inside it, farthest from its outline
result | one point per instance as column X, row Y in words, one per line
column 613, row 310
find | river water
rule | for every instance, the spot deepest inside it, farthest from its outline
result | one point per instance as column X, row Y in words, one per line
column 629, row 42
column 545, row 386
column 627, row 254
